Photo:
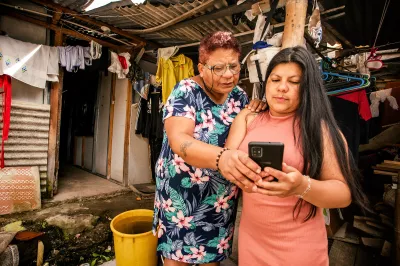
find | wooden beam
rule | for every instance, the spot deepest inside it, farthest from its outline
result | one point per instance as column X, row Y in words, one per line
column 125, row 170
column 53, row 149
column 295, row 20
column 10, row 13
column 111, row 124
column 56, row 18
column 50, row 4
column 220, row 13
column 264, row 6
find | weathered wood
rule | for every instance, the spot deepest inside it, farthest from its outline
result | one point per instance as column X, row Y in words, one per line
column 377, row 225
column 365, row 218
column 345, row 234
column 387, row 247
column 386, row 220
column 391, row 162
column 264, row 6
column 220, row 13
column 10, row 13
column 295, row 20
column 380, row 172
column 111, row 124
column 53, row 150
column 125, row 170
column 367, row 228
column 373, row 242
column 57, row 7
column 342, row 254
column 397, row 227
column 83, row 152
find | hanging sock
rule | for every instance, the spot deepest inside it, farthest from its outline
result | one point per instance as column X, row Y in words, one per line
column 5, row 83
column 122, row 60
column 374, row 61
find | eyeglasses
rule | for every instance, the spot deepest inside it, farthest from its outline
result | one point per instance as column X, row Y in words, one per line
column 220, row 69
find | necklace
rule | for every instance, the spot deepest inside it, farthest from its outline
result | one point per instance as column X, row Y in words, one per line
column 205, row 85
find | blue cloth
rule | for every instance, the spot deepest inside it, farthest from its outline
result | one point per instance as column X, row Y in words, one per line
column 195, row 209
column 260, row 45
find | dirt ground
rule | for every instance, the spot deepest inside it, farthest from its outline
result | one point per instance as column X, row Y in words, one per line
column 76, row 231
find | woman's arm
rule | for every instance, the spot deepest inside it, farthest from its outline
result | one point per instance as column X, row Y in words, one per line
column 238, row 129
column 331, row 191
column 234, row 165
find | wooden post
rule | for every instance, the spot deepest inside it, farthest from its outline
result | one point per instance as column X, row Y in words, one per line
column 54, row 130
column 111, row 124
column 397, row 223
column 127, row 134
column 293, row 34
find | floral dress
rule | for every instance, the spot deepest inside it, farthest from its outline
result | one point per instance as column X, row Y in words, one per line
column 195, row 208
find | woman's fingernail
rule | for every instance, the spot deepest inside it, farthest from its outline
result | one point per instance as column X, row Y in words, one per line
column 258, row 171
column 254, row 189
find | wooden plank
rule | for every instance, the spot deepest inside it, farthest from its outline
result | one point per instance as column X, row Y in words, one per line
column 83, row 153
column 9, row 12
column 367, row 229
column 52, row 153
column 127, row 133
column 373, row 242
column 111, row 124
column 138, row 40
column 293, row 33
column 386, row 249
column 389, row 165
column 220, row 13
column 342, row 254
column 397, row 227
column 380, row 172
column 392, row 162
column 346, row 234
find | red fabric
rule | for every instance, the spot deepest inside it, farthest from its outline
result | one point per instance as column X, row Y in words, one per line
column 122, row 60
column 360, row 98
column 5, row 82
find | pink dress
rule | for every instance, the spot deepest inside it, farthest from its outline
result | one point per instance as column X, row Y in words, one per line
column 268, row 235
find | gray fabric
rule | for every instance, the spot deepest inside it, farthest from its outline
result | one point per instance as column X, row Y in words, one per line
column 74, row 57
column 10, row 256
column 5, row 239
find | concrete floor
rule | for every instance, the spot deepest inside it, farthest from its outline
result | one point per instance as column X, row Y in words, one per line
column 74, row 183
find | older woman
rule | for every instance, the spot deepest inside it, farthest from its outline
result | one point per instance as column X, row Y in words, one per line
column 195, row 206
column 283, row 223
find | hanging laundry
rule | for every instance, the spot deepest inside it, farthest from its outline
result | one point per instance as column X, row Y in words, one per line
column 314, row 26
column 95, row 50
column 360, row 98
column 171, row 71
column 5, row 83
column 74, row 57
column 381, row 96
column 117, row 67
column 30, row 63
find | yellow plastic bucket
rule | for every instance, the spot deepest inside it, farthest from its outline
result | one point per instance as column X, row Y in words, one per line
column 134, row 242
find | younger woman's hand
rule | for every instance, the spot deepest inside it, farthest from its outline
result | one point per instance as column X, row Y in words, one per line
column 290, row 182
column 256, row 105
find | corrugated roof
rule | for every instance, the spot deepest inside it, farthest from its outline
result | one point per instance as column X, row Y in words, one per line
column 149, row 15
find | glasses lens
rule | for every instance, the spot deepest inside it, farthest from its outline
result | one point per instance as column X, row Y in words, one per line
column 235, row 68
column 219, row 70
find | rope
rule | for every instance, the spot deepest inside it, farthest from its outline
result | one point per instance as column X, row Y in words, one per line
column 385, row 8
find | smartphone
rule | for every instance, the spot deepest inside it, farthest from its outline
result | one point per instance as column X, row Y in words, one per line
column 267, row 154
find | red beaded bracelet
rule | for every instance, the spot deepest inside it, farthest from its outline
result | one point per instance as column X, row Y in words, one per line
column 219, row 157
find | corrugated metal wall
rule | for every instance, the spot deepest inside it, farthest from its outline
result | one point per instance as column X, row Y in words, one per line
column 28, row 138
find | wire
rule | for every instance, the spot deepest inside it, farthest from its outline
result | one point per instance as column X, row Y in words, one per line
column 385, row 8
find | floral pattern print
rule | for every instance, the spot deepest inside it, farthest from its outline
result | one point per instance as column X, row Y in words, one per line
column 195, row 209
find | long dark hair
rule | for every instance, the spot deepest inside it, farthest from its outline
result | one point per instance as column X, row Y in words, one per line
column 315, row 109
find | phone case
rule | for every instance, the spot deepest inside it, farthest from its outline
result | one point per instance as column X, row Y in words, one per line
column 267, row 154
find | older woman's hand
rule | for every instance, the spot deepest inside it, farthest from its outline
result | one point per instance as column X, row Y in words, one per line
column 237, row 167
column 256, row 105
column 290, row 182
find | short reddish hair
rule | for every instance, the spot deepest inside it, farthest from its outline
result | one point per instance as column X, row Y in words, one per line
column 217, row 40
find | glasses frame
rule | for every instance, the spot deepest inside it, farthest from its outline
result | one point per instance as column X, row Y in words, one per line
column 226, row 68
